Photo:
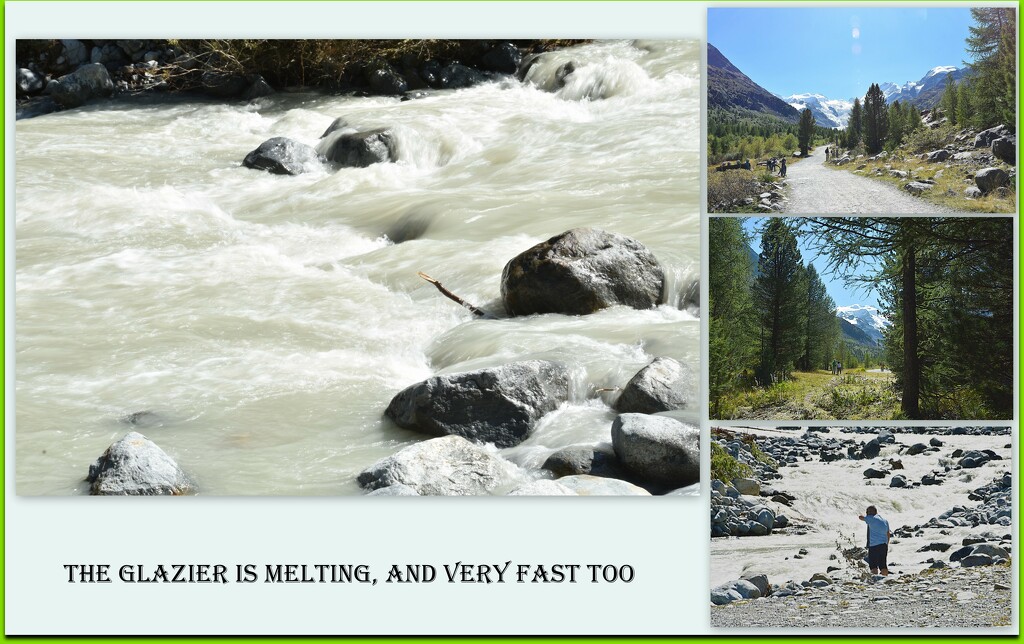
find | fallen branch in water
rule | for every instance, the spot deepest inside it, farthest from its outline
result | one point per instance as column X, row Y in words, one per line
column 455, row 298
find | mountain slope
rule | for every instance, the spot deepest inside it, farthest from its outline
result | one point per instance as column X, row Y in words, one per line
column 730, row 89
column 827, row 112
column 864, row 322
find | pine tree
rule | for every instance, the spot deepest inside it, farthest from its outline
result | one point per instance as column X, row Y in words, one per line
column 876, row 119
column 993, row 44
column 948, row 102
column 854, row 126
column 895, row 125
column 730, row 309
column 780, row 299
column 822, row 326
column 806, row 131
column 964, row 111
column 913, row 119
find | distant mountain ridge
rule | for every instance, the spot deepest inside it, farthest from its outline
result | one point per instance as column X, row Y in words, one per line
column 730, row 89
column 865, row 322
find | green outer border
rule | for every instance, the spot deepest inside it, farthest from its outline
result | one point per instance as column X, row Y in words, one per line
column 723, row 639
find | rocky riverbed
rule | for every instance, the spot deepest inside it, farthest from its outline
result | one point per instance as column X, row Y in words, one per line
column 786, row 538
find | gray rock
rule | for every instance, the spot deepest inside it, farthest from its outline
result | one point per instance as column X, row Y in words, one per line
column 765, row 517
column 498, row 405
column 938, row 156
column 458, row 76
column 398, row 489
column 86, row 83
column 447, row 466
column 359, row 149
column 281, row 155
column 337, row 124
column 988, row 179
column 586, row 485
column 383, row 79
column 935, row 442
column 872, row 473
column 135, row 466
column 543, row 487
column 223, row 85
column 75, row 52
column 1005, row 149
column 585, row 459
column 658, row 450
column 916, row 448
column 746, row 589
column 723, row 595
column 976, row 560
column 748, row 487
column 503, row 57
column 917, row 187
column 898, row 481
column 973, row 192
column 990, row 550
column 760, row 581
column 899, row 174
column 582, row 271
column 871, row 448
column 985, row 138
column 663, row 385
column 258, row 88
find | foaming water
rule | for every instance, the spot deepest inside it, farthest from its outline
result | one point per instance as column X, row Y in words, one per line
column 265, row 322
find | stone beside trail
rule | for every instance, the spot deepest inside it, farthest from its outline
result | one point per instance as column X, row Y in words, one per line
column 949, row 598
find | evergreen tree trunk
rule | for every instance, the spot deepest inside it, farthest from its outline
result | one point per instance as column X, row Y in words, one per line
column 911, row 364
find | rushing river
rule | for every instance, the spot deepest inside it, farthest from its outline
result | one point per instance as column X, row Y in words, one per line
column 255, row 326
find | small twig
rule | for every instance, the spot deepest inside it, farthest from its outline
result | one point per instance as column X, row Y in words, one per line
column 455, row 298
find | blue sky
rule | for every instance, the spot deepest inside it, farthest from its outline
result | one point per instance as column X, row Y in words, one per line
column 837, row 290
column 838, row 51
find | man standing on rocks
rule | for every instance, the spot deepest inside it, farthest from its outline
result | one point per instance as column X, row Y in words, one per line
column 878, row 541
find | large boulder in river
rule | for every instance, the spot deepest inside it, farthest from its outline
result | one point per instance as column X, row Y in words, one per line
column 82, row 85
column 448, row 466
column 658, row 450
column 383, row 79
column 988, row 179
column 498, row 405
column 663, row 385
column 281, row 155
column 28, row 82
column 586, row 485
column 582, row 271
column 359, row 149
column 503, row 57
column 135, row 466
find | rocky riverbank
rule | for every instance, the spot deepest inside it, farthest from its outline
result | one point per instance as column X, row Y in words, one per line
column 786, row 534
column 54, row 75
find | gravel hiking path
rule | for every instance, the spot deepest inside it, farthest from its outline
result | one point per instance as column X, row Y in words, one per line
column 815, row 189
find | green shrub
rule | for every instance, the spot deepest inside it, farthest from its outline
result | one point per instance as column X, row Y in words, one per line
column 725, row 467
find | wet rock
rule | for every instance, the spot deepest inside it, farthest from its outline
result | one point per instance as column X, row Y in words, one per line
column 585, row 459
column 543, row 487
column 447, row 466
column 337, row 124
column 29, row 83
column 258, row 88
column 359, row 149
column 457, row 76
column 586, row 485
column 976, row 560
column 75, row 52
column 398, row 489
column 930, row 479
column 498, row 405
column 916, row 448
column 657, row 450
column 663, row 385
column 898, row 481
column 383, row 79
column 582, row 271
column 935, row 442
column 871, row 448
column 223, row 85
column 974, row 458
column 504, row 58
column 86, row 83
column 988, row 179
column 135, row 466
column 872, row 473
column 281, row 155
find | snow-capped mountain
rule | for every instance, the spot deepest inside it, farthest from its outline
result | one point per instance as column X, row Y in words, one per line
column 827, row 112
column 866, row 318
column 924, row 93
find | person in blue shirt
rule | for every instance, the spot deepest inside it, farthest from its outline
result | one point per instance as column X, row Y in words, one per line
column 878, row 541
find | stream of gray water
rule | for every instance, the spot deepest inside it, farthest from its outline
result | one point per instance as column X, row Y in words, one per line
column 256, row 326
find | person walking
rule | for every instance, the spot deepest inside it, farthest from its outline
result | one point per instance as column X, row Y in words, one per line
column 879, row 536
column 782, row 168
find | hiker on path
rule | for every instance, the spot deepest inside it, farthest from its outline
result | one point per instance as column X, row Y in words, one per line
column 782, row 169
